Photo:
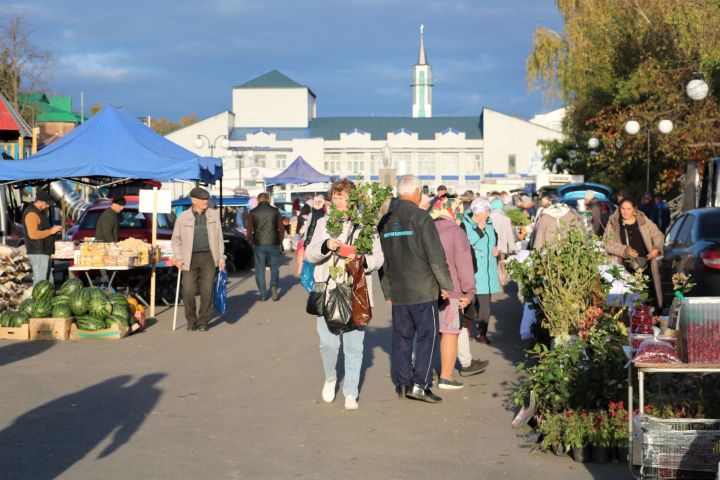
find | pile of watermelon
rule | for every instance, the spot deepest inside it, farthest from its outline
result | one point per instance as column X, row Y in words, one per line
column 94, row 309
column 13, row 319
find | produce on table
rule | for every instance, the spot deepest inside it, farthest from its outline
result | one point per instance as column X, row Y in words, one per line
column 656, row 351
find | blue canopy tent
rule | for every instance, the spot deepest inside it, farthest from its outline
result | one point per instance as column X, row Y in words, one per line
column 112, row 144
column 299, row 172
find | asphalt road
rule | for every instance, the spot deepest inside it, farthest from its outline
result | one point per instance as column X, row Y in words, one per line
column 242, row 401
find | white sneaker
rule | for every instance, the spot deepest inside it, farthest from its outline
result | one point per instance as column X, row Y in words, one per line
column 328, row 392
column 351, row 403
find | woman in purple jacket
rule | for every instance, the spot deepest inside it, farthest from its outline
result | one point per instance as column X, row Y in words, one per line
column 447, row 213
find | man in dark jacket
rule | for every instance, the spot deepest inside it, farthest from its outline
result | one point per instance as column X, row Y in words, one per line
column 107, row 227
column 39, row 236
column 414, row 275
column 265, row 232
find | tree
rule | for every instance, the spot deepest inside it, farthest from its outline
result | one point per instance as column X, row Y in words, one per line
column 163, row 126
column 23, row 66
column 622, row 59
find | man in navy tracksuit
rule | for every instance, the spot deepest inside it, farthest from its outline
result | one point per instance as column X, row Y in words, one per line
column 414, row 275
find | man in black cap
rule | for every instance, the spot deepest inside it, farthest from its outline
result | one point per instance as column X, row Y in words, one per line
column 198, row 248
column 108, row 225
column 39, row 236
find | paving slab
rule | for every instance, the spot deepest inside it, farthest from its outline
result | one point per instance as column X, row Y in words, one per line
column 242, row 401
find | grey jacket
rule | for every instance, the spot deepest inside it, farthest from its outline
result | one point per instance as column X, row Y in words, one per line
column 182, row 237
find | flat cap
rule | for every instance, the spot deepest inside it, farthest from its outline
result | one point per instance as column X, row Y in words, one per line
column 200, row 193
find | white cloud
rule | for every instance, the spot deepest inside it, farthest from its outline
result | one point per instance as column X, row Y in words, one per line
column 110, row 66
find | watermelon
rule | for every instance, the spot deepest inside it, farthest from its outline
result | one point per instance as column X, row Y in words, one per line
column 60, row 299
column 43, row 290
column 98, row 293
column 41, row 309
column 100, row 307
column 13, row 319
column 89, row 322
column 62, row 310
column 119, row 319
column 70, row 286
column 5, row 319
column 26, row 305
column 24, row 317
column 17, row 320
column 79, row 301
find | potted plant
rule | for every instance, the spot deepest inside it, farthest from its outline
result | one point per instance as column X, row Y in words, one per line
column 553, row 430
column 575, row 435
column 600, row 437
column 618, row 418
column 682, row 285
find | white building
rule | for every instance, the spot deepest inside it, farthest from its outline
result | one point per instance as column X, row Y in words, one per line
column 274, row 120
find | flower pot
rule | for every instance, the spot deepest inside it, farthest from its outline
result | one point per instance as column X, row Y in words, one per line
column 601, row 454
column 620, row 454
column 581, row 454
column 559, row 449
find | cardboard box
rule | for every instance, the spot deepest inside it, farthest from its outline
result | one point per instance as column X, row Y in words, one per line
column 115, row 332
column 17, row 333
column 50, row 328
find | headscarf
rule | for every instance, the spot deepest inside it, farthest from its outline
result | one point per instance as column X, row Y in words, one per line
column 448, row 207
column 496, row 204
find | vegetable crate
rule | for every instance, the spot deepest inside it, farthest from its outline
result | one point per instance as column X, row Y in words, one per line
column 15, row 333
column 115, row 332
column 700, row 329
column 680, row 448
column 50, row 328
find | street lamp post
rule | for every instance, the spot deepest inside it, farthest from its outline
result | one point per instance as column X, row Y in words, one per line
column 200, row 142
column 633, row 127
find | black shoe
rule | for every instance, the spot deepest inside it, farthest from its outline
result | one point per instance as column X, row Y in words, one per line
column 274, row 294
column 262, row 298
column 402, row 392
column 425, row 395
column 476, row 367
column 203, row 328
column 191, row 328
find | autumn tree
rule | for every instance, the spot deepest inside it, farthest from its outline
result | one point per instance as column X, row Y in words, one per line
column 163, row 126
column 23, row 65
column 623, row 59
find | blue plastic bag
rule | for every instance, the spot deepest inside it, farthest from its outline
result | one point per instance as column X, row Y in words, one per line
column 220, row 292
column 307, row 276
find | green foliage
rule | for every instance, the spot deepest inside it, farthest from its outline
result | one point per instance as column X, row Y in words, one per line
column 363, row 209
column 517, row 217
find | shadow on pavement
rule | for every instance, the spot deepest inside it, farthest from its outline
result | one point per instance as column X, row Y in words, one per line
column 376, row 337
column 46, row 441
column 14, row 352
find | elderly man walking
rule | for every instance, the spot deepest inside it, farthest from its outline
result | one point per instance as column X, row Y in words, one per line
column 415, row 274
column 198, row 248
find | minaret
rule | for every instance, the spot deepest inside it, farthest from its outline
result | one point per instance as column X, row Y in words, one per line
column 422, row 83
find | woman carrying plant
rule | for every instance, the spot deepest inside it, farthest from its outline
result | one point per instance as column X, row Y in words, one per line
column 483, row 240
column 447, row 212
column 329, row 253
column 634, row 241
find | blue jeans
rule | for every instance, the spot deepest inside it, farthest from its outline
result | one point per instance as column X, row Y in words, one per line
column 352, row 349
column 40, row 267
column 266, row 254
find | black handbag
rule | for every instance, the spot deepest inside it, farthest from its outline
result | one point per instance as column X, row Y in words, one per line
column 316, row 299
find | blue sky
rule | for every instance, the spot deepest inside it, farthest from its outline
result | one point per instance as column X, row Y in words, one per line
column 170, row 58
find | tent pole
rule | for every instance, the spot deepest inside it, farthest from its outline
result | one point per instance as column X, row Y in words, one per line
column 221, row 197
column 154, row 240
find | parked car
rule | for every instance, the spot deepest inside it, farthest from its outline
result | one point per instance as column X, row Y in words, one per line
column 133, row 224
column 692, row 246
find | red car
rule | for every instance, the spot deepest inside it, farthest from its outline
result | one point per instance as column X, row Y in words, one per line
column 132, row 223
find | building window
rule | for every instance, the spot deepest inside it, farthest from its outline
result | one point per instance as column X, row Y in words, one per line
column 512, row 164
column 426, row 164
column 474, row 164
column 450, row 163
column 250, row 183
column 375, row 163
column 402, row 163
column 260, row 160
column 281, row 161
column 356, row 163
column 332, row 163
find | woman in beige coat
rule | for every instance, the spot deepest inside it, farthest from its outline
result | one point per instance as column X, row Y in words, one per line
column 633, row 239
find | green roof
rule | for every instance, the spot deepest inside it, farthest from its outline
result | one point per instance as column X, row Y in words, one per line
column 273, row 79
column 56, row 108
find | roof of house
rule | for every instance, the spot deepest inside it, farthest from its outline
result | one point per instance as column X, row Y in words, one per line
column 273, row 79
column 55, row 108
column 11, row 120
column 330, row 128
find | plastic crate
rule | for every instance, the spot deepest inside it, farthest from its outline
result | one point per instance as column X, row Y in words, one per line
column 699, row 320
column 680, row 448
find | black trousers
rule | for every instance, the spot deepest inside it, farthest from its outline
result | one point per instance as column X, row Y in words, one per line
column 478, row 312
column 201, row 276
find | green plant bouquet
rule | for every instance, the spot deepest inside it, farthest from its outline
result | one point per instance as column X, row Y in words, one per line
column 577, row 429
column 517, row 218
column 363, row 210
column 682, row 283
